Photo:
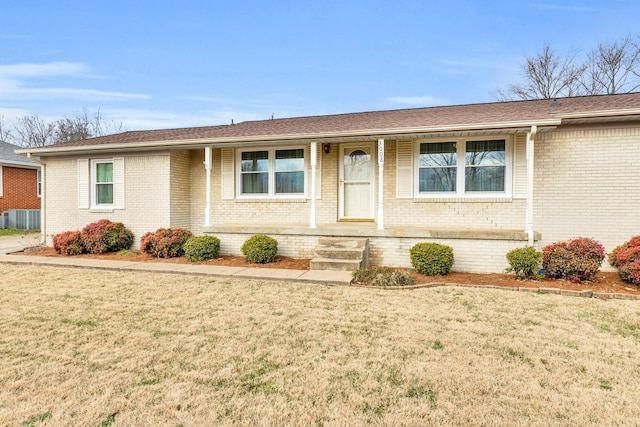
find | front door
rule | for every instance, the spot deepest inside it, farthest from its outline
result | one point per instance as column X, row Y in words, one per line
column 356, row 182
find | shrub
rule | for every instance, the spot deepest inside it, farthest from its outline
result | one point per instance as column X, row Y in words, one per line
column 630, row 272
column 105, row 236
column 165, row 242
column 383, row 276
column 627, row 258
column 524, row 262
column 69, row 243
column 575, row 260
column 260, row 249
column 432, row 259
column 200, row 248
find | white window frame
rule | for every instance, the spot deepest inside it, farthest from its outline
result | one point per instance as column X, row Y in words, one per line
column 94, row 183
column 1, row 181
column 271, row 156
column 39, row 182
column 461, row 146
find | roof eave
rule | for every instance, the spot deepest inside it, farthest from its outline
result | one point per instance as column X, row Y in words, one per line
column 320, row 137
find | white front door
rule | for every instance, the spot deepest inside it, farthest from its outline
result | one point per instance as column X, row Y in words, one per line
column 356, row 182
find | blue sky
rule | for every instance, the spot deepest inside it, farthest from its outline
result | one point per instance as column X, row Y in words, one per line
column 160, row 64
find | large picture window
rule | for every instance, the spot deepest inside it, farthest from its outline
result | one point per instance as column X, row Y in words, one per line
column 272, row 172
column 463, row 167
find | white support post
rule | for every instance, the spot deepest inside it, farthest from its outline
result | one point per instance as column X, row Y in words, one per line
column 380, row 183
column 207, row 167
column 314, row 161
column 531, row 136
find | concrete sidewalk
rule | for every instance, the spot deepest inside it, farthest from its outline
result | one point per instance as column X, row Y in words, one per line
column 12, row 244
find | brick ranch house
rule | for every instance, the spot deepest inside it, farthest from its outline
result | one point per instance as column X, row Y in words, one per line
column 482, row 178
column 19, row 183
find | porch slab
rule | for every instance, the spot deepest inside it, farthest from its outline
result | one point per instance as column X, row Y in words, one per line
column 367, row 229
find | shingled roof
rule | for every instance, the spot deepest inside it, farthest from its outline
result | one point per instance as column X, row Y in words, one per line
column 498, row 115
column 9, row 157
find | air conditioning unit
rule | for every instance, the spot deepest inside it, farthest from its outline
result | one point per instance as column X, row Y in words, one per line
column 23, row 219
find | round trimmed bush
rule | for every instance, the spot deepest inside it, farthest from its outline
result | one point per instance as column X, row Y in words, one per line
column 626, row 258
column 575, row 260
column 165, row 242
column 105, row 236
column 524, row 262
column 432, row 259
column 69, row 243
column 200, row 248
column 260, row 249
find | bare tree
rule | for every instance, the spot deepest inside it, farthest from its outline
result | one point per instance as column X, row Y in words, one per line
column 613, row 67
column 5, row 132
column 32, row 131
column 546, row 75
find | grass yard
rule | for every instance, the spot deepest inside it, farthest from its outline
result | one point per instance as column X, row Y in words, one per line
column 15, row 232
column 100, row 348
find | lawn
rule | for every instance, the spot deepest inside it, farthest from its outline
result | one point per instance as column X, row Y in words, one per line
column 100, row 348
column 14, row 232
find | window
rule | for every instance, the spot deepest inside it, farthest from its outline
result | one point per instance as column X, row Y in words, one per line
column 272, row 172
column 462, row 167
column 103, row 182
column 39, row 182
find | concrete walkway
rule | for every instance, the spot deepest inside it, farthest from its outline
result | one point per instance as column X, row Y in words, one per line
column 12, row 244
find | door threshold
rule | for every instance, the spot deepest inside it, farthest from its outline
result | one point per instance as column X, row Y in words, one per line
column 356, row 220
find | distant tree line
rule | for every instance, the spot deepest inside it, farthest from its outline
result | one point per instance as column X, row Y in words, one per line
column 609, row 68
column 33, row 131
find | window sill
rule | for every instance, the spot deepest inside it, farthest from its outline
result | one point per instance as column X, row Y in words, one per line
column 95, row 209
column 302, row 199
column 478, row 199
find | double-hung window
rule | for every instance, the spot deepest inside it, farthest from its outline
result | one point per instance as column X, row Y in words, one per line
column 272, row 172
column 463, row 168
column 102, row 174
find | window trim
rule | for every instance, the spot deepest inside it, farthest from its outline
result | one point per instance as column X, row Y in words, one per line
column 461, row 166
column 94, row 183
column 271, row 171
column 39, row 182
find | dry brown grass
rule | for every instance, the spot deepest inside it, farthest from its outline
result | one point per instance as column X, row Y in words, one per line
column 96, row 348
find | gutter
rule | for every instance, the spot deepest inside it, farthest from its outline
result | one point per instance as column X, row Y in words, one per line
column 43, row 198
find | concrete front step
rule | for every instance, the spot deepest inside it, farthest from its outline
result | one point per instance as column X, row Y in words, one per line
column 334, row 264
column 339, row 253
column 342, row 242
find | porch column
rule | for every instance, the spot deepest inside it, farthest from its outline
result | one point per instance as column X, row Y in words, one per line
column 314, row 161
column 207, row 167
column 380, row 183
column 531, row 136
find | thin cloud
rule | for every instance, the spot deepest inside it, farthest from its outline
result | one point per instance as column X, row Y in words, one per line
column 29, row 70
column 416, row 100
column 140, row 119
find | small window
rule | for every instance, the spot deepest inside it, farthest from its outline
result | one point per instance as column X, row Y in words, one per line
column 438, row 168
column 485, row 166
column 255, row 172
column 290, row 171
column 39, row 182
column 103, row 183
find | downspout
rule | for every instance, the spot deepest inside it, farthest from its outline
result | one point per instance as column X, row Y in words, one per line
column 314, row 161
column 207, row 167
column 531, row 136
column 380, row 183
column 43, row 199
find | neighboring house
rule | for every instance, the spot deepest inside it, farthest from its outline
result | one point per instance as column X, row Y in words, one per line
column 19, row 182
column 482, row 178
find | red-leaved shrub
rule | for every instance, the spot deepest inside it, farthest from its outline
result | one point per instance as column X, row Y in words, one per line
column 627, row 258
column 105, row 236
column 165, row 242
column 68, row 243
column 575, row 260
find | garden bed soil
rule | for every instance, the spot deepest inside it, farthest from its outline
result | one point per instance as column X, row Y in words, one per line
column 606, row 282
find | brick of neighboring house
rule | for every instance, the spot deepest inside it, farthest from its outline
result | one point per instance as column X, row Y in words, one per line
column 19, row 189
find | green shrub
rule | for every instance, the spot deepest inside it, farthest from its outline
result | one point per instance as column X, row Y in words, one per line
column 105, row 236
column 69, row 243
column 383, row 276
column 200, row 248
column 432, row 259
column 260, row 249
column 575, row 260
column 524, row 262
column 165, row 242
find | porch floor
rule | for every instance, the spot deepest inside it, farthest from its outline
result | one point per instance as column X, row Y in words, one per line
column 369, row 229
